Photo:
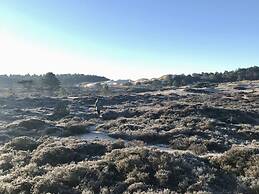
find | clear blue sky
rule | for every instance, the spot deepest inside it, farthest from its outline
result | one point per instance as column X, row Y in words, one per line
column 128, row 38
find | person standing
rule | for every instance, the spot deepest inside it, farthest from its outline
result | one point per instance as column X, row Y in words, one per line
column 98, row 106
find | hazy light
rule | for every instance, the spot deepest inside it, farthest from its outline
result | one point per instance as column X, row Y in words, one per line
column 20, row 56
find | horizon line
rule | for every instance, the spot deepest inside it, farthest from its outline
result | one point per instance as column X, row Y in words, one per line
column 58, row 74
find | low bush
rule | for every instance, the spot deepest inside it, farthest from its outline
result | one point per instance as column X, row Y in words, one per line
column 243, row 162
column 22, row 143
column 32, row 124
column 75, row 130
column 73, row 166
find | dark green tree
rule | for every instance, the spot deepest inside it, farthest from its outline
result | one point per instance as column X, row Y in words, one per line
column 50, row 82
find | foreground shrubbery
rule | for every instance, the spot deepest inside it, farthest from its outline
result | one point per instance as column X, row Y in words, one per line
column 243, row 162
column 186, row 126
column 73, row 166
column 39, row 128
column 197, row 129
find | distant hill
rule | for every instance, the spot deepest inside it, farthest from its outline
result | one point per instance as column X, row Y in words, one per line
column 251, row 73
column 75, row 79
column 65, row 79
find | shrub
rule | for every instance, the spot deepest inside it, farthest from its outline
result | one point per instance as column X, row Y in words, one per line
column 22, row 143
column 50, row 82
column 60, row 111
column 75, row 130
column 66, row 151
column 243, row 162
column 32, row 124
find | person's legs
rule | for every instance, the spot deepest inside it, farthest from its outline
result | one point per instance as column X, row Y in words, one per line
column 98, row 112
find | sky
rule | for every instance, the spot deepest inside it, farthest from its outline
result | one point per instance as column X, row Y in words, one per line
column 123, row 39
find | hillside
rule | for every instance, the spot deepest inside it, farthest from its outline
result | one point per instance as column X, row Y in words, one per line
column 182, row 140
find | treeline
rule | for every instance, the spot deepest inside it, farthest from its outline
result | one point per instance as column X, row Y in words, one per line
column 251, row 73
column 74, row 79
column 65, row 79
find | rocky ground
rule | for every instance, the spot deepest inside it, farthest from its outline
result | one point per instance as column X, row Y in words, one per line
column 186, row 140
